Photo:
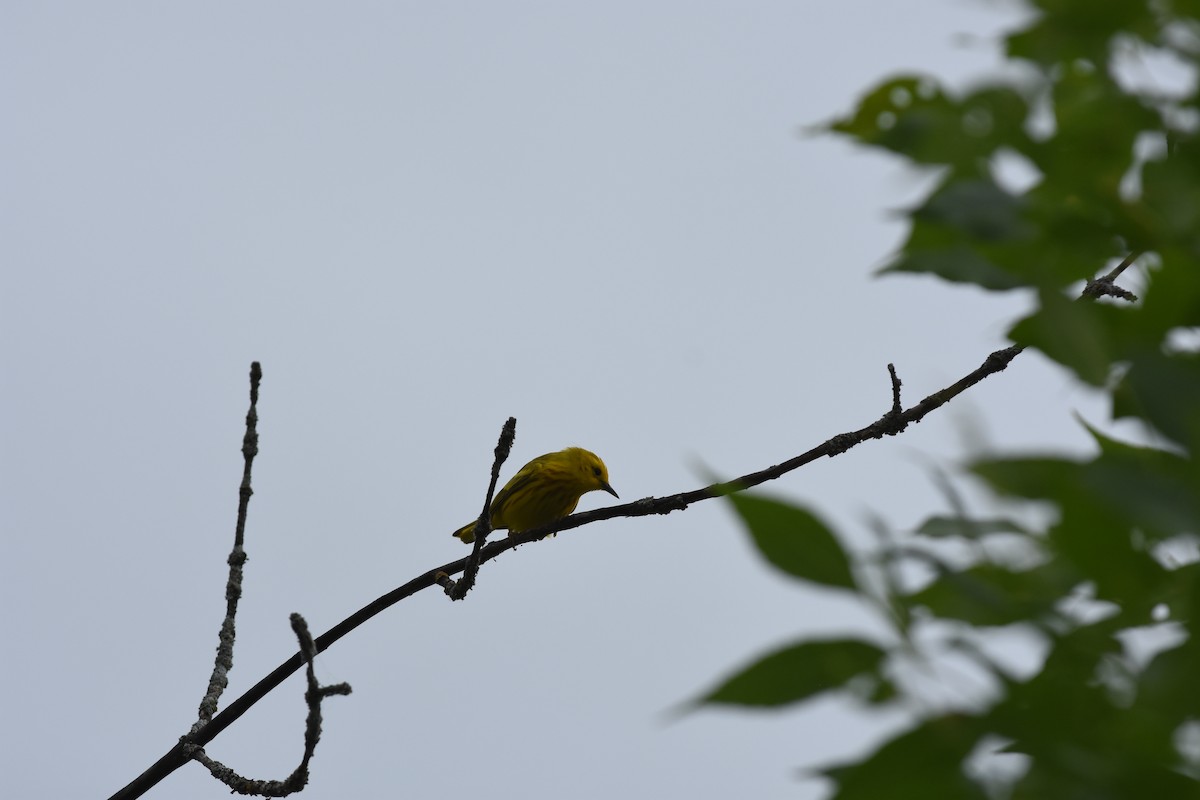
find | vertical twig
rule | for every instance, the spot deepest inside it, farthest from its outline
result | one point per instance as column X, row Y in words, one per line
column 457, row 590
column 237, row 558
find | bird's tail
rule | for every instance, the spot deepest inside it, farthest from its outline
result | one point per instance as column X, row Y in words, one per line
column 466, row 533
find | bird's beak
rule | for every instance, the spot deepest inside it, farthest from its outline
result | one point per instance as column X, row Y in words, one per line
column 604, row 485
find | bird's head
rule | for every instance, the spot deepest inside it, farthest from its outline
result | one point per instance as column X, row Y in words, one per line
column 592, row 471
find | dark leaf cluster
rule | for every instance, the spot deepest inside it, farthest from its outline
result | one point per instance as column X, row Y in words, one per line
column 1043, row 183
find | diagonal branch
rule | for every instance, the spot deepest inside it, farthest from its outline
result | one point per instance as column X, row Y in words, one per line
column 893, row 422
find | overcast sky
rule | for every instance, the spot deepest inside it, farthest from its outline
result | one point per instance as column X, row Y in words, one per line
column 422, row 218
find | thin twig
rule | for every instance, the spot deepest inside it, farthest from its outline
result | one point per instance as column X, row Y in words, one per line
column 313, row 696
column 483, row 526
column 1106, row 285
column 237, row 558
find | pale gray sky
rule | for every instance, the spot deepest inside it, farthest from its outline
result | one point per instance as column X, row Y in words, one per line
column 599, row 218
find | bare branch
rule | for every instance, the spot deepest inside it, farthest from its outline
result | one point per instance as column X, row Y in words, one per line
column 893, row 422
column 483, row 526
column 890, row 424
column 237, row 558
column 1106, row 285
column 314, row 695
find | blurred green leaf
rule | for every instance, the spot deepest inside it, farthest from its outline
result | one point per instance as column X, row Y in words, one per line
column 1031, row 478
column 1077, row 232
column 1079, row 771
column 1042, row 182
column 1172, row 298
column 1096, row 124
column 1066, row 30
column 794, row 540
column 1168, row 685
column 1102, row 547
column 1073, row 333
column 924, row 763
column 1164, row 390
column 1094, row 532
column 977, row 209
column 1151, row 490
column 798, row 672
column 952, row 261
column 915, row 117
column 970, row 229
column 991, row 595
column 940, row 527
column 1084, row 736
column 950, row 227
column 1171, row 197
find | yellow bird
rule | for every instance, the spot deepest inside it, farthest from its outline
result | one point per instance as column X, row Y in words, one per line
column 545, row 489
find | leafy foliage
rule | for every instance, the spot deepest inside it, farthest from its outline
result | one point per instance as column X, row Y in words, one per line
column 1116, row 179
column 795, row 541
column 800, row 671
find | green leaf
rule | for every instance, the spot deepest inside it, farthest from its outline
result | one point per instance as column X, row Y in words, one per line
column 798, row 672
column 1075, row 334
column 794, row 540
column 1085, row 773
column 925, row 762
column 1031, row 478
column 913, row 116
column 954, row 261
column 970, row 229
column 977, row 209
column 1163, row 390
column 950, row 228
column 1101, row 508
column 940, row 527
column 1169, row 686
column 1150, row 489
column 990, row 595
column 1067, row 30
column 1171, row 198
column 1108, row 551
column 1096, row 125
column 1091, row 723
column 1079, row 226
column 1084, row 740
column 1172, row 299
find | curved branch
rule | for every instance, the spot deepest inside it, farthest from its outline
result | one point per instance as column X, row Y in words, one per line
column 893, row 422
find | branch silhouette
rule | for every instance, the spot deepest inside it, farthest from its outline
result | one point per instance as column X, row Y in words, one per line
column 483, row 526
column 892, row 423
column 312, row 732
column 237, row 559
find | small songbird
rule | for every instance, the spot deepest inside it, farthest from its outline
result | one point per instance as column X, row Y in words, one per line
column 545, row 489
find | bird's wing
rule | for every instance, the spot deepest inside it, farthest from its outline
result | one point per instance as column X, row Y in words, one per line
column 526, row 475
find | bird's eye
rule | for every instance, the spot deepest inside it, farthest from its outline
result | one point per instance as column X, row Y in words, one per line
column 596, row 471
